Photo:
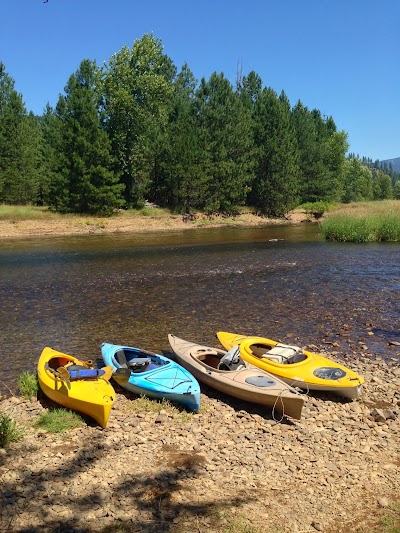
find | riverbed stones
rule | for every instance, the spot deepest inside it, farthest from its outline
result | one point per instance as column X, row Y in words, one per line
column 230, row 464
column 381, row 415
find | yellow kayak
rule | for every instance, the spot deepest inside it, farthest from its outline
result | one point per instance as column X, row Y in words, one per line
column 76, row 384
column 307, row 370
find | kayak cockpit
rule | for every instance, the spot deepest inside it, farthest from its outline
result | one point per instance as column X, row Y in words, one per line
column 222, row 361
column 280, row 353
column 57, row 362
column 208, row 358
column 137, row 361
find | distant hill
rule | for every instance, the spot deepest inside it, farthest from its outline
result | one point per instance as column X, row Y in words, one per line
column 394, row 162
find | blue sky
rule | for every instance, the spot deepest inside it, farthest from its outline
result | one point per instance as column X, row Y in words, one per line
column 339, row 56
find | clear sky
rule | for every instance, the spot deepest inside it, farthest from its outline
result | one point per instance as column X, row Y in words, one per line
column 339, row 56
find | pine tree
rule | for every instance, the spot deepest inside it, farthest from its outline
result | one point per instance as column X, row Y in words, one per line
column 51, row 143
column 84, row 180
column 322, row 155
column 19, row 146
column 225, row 130
column 249, row 88
column 180, row 181
column 275, row 186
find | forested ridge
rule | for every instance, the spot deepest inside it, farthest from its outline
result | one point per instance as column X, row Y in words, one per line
column 136, row 129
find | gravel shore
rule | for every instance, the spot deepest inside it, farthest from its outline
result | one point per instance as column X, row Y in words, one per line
column 231, row 467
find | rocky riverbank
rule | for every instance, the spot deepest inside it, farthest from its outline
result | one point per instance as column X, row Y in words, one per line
column 231, row 467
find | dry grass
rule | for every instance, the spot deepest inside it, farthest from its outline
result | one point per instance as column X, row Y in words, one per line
column 16, row 213
column 143, row 404
column 367, row 209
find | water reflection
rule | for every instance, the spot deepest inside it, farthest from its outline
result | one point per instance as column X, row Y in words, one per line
column 285, row 282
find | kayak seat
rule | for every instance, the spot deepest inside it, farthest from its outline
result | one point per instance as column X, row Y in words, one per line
column 209, row 359
column 275, row 358
column 76, row 367
column 77, row 371
column 283, row 354
column 231, row 360
column 138, row 364
column 120, row 359
column 50, row 369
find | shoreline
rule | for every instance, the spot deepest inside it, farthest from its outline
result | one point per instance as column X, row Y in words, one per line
column 125, row 223
column 231, row 467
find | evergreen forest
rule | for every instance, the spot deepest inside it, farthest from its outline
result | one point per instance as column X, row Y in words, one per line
column 136, row 129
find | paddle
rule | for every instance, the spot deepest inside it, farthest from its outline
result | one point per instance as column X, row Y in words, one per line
column 64, row 375
column 122, row 375
column 121, row 358
column 108, row 372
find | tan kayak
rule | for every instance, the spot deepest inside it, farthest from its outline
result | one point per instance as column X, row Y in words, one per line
column 228, row 373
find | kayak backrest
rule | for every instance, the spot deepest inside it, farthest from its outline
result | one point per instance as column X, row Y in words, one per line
column 85, row 373
column 120, row 359
column 281, row 353
column 231, row 360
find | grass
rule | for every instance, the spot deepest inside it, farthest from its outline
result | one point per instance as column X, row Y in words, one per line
column 96, row 223
column 212, row 220
column 59, row 420
column 17, row 213
column 145, row 212
column 240, row 524
column 28, row 385
column 364, row 222
column 149, row 405
column 390, row 522
column 226, row 522
column 9, row 431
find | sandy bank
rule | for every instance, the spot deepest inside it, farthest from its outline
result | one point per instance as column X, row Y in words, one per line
column 124, row 223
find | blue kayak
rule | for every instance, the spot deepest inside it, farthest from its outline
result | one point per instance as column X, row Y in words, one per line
column 152, row 375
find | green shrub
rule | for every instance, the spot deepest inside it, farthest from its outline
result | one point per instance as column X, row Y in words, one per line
column 148, row 211
column 8, row 431
column 59, row 420
column 28, row 385
column 317, row 209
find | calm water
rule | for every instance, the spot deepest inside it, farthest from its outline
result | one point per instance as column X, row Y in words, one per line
column 72, row 293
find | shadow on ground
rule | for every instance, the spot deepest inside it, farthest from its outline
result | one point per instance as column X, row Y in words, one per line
column 138, row 503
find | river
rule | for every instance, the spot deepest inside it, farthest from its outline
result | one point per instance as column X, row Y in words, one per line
column 282, row 282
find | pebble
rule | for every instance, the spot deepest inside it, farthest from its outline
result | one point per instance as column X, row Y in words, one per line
column 383, row 502
column 317, row 526
column 149, row 467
